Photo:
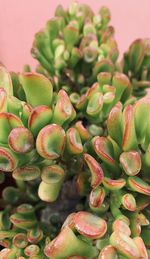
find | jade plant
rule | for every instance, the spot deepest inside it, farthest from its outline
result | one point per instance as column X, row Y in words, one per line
column 136, row 64
column 75, row 45
column 75, row 145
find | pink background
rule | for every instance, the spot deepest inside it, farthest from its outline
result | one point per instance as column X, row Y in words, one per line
column 20, row 19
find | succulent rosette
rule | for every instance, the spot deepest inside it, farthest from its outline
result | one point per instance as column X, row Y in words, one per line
column 75, row 46
column 95, row 104
column 136, row 64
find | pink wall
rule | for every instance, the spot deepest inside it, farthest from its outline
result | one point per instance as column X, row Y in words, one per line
column 20, row 19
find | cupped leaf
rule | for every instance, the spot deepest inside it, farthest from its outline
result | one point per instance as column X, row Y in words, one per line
column 141, row 247
column 20, row 140
column 83, row 185
column 122, row 85
column 41, row 42
column 104, row 78
column 26, row 173
column 114, row 123
column 39, row 117
column 63, row 111
column 8, row 121
column 20, row 240
column 83, row 132
column 95, row 105
column 129, row 141
column 52, row 179
column 129, row 202
column 7, row 253
column 50, row 141
column 97, row 197
column 34, row 235
column 8, row 160
column 104, row 65
column 104, row 149
column 141, row 110
column 38, row 89
column 60, row 246
column 121, row 226
column 89, row 225
column 131, row 162
column 24, row 217
column 71, row 35
column 97, row 174
column 113, row 185
column 124, row 245
column 108, row 252
column 138, row 185
column 136, row 55
column 73, row 142
column 32, row 250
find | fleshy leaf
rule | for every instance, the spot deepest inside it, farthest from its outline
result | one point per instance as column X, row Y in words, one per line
column 129, row 141
column 5, row 81
column 124, row 245
column 52, row 179
column 95, row 169
column 89, row 225
column 50, row 141
column 39, row 117
column 38, row 89
column 131, row 162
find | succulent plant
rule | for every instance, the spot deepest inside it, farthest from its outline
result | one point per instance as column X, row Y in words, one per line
column 75, row 145
column 25, row 237
column 41, row 138
column 96, row 103
column 136, row 64
column 75, row 46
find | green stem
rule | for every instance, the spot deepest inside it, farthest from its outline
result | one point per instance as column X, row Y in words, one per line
column 21, row 185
